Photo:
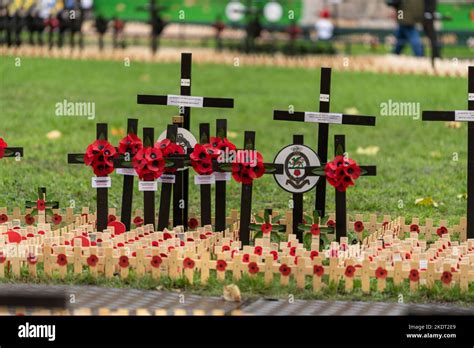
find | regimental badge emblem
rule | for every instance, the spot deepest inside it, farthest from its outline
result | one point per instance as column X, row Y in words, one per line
column 184, row 138
column 295, row 160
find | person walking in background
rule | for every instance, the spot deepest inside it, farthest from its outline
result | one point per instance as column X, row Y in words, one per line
column 324, row 27
column 409, row 14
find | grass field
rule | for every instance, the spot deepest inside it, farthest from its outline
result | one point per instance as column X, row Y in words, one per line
column 415, row 158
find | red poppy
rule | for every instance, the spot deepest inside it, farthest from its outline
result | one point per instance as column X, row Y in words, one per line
column 275, row 254
column 32, row 259
column 201, row 158
column 318, row 270
column 442, row 230
column 57, row 219
column 169, row 148
column 342, row 173
column 222, row 144
column 414, row 228
column 293, row 251
column 225, row 248
column 130, row 145
column 258, row 250
column 358, row 226
column 156, row 261
column 138, row 221
column 3, row 218
column 193, row 223
column 149, row 163
column 2, row 257
column 285, row 270
column 315, row 230
column 331, row 223
column 92, row 260
column 350, row 270
column 221, row 265
column 111, row 218
column 3, row 146
column 99, row 155
column 202, row 236
column 245, row 171
column 414, row 275
column 381, row 273
column 61, row 260
column 29, row 220
column 313, row 254
column 446, row 277
column 188, row 263
column 253, row 268
column 166, row 236
column 123, row 261
column 266, row 227
column 40, row 205
column 246, row 258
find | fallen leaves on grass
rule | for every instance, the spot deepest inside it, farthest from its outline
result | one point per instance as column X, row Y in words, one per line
column 352, row 111
column 436, row 154
column 232, row 135
column 427, row 202
column 462, row 195
column 53, row 135
column 118, row 132
column 232, row 293
column 453, row 124
column 368, row 151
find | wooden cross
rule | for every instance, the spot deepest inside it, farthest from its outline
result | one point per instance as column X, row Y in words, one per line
column 185, row 102
column 42, row 195
column 149, row 196
column 16, row 152
column 102, row 183
column 246, row 196
column 221, row 184
column 128, row 180
column 323, row 118
column 463, row 116
column 341, row 202
column 204, row 134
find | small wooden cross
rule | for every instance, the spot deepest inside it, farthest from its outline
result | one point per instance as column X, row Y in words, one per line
column 47, row 204
column 185, row 102
column 463, row 116
column 323, row 118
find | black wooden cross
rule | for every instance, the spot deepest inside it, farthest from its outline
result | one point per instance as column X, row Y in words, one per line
column 463, row 116
column 102, row 192
column 185, row 102
column 128, row 179
column 341, row 202
column 323, row 118
column 42, row 195
column 16, row 152
column 167, row 186
column 204, row 135
column 149, row 196
column 221, row 185
column 246, row 196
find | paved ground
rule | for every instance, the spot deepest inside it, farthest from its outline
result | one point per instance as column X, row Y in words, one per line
column 93, row 300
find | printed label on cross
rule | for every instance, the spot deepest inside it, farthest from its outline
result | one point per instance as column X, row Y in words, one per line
column 185, row 102
column 463, row 116
column 323, row 118
column 102, row 192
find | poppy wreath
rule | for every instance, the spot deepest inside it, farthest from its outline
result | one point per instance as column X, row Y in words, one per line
column 313, row 227
column 201, row 158
column 149, row 163
column 3, row 146
column 169, row 148
column 100, row 156
column 130, row 145
column 342, row 172
column 265, row 227
column 246, row 172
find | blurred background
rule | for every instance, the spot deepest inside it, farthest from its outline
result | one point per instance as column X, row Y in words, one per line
column 293, row 27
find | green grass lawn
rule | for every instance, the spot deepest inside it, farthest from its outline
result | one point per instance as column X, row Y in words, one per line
column 407, row 167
